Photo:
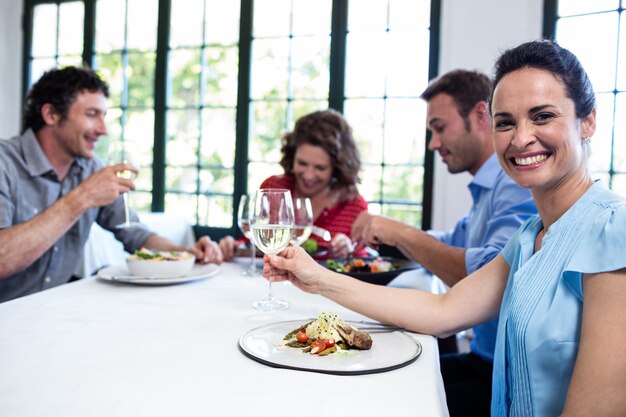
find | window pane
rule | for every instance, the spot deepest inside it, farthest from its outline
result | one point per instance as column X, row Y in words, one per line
column 267, row 127
column 621, row 69
column 220, row 76
column 139, row 127
column 218, row 137
column 71, row 17
column 271, row 18
column 408, row 14
column 407, row 184
column 270, row 63
column 44, row 31
column 183, row 205
column 182, row 137
column 186, row 23
column 181, row 179
column 110, row 24
column 571, row 7
column 310, row 63
column 620, row 133
column 259, row 171
column 409, row 214
column 370, row 187
column 599, row 62
column 140, row 73
column 222, row 22
column 371, row 17
column 405, row 132
column 39, row 66
column 311, row 17
column 184, row 73
column 407, row 63
column 216, row 211
column 114, row 124
column 110, row 68
column 367, row 119
column 366, row 51
column 217, row 181
column 142, row 24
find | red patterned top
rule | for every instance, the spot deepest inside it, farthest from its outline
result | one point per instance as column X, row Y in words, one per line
column 336, row 219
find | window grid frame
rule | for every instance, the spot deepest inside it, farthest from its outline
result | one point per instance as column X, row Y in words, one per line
column 336, row 97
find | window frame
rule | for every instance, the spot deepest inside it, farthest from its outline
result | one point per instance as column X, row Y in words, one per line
column 336, row 97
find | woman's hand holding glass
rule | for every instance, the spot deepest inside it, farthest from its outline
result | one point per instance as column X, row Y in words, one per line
column 272, row 222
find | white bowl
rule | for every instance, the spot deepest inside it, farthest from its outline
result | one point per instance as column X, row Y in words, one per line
column 159, row 267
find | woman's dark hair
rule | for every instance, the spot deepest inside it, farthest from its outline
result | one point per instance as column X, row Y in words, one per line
column 59, row 87
column 330, row 131
column 549, row 56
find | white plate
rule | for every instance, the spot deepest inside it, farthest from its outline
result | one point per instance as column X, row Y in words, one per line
column 390, row 350
column 120, row 273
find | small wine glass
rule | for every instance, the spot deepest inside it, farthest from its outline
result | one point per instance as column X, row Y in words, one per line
column 272, row 222
column 124, row 152
column 303, row 220
column 243, row 221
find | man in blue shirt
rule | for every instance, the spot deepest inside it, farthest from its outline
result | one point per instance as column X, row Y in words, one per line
column 459, row 120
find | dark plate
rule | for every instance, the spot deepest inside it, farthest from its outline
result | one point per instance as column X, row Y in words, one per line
column 380, row 278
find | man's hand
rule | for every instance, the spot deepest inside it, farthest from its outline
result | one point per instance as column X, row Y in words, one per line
column 374, row 230
column 104, row 187
column 207, row 251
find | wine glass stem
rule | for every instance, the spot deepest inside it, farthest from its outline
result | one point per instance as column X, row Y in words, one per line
column 252, row 257
column 126, row 207
column 270, row 296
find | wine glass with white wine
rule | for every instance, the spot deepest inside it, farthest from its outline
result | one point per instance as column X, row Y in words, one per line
column 125, row 152
column 303, row 220
column 243, row 221
column 272, row 222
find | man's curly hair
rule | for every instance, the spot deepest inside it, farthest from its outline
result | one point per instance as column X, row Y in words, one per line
column 59, row 87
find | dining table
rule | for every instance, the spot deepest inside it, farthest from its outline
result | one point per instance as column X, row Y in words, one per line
column 100, row 347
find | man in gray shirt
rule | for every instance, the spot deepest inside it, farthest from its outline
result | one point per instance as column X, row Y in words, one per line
column 52, row 187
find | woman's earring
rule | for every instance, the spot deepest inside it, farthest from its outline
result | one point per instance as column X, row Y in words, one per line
column 587, row 140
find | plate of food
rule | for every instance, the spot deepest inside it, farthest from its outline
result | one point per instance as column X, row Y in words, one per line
column 158, row 268
column 330, row 345
column 373, row 269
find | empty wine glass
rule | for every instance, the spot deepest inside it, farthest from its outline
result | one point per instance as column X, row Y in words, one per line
column 124, row 152
column 272, row 222
column 243, row 221
column 303, row 220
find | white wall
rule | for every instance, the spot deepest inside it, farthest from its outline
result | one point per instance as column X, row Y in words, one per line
column 473, row 33
column 10, row 66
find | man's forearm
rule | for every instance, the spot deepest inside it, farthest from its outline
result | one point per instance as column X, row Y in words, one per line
column 445, row 261
column 22, row 244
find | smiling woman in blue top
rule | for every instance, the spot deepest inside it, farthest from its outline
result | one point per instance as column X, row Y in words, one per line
column 559, row 284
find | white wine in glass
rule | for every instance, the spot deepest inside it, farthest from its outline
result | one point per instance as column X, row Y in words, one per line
column 272, row 222
column 243, row 221
column 124, row 152
column 303, row 220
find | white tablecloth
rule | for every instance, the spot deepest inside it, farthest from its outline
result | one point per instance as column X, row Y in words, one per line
column 97, row 348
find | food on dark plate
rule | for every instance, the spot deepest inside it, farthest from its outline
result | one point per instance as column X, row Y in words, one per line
column 361, row 265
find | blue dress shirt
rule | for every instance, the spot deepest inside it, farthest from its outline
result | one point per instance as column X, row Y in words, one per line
column 499, row 208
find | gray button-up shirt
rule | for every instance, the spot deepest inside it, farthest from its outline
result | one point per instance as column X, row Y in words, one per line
column 28, row 185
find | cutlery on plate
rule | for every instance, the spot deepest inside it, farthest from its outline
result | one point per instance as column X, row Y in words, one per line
column 321, row 232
